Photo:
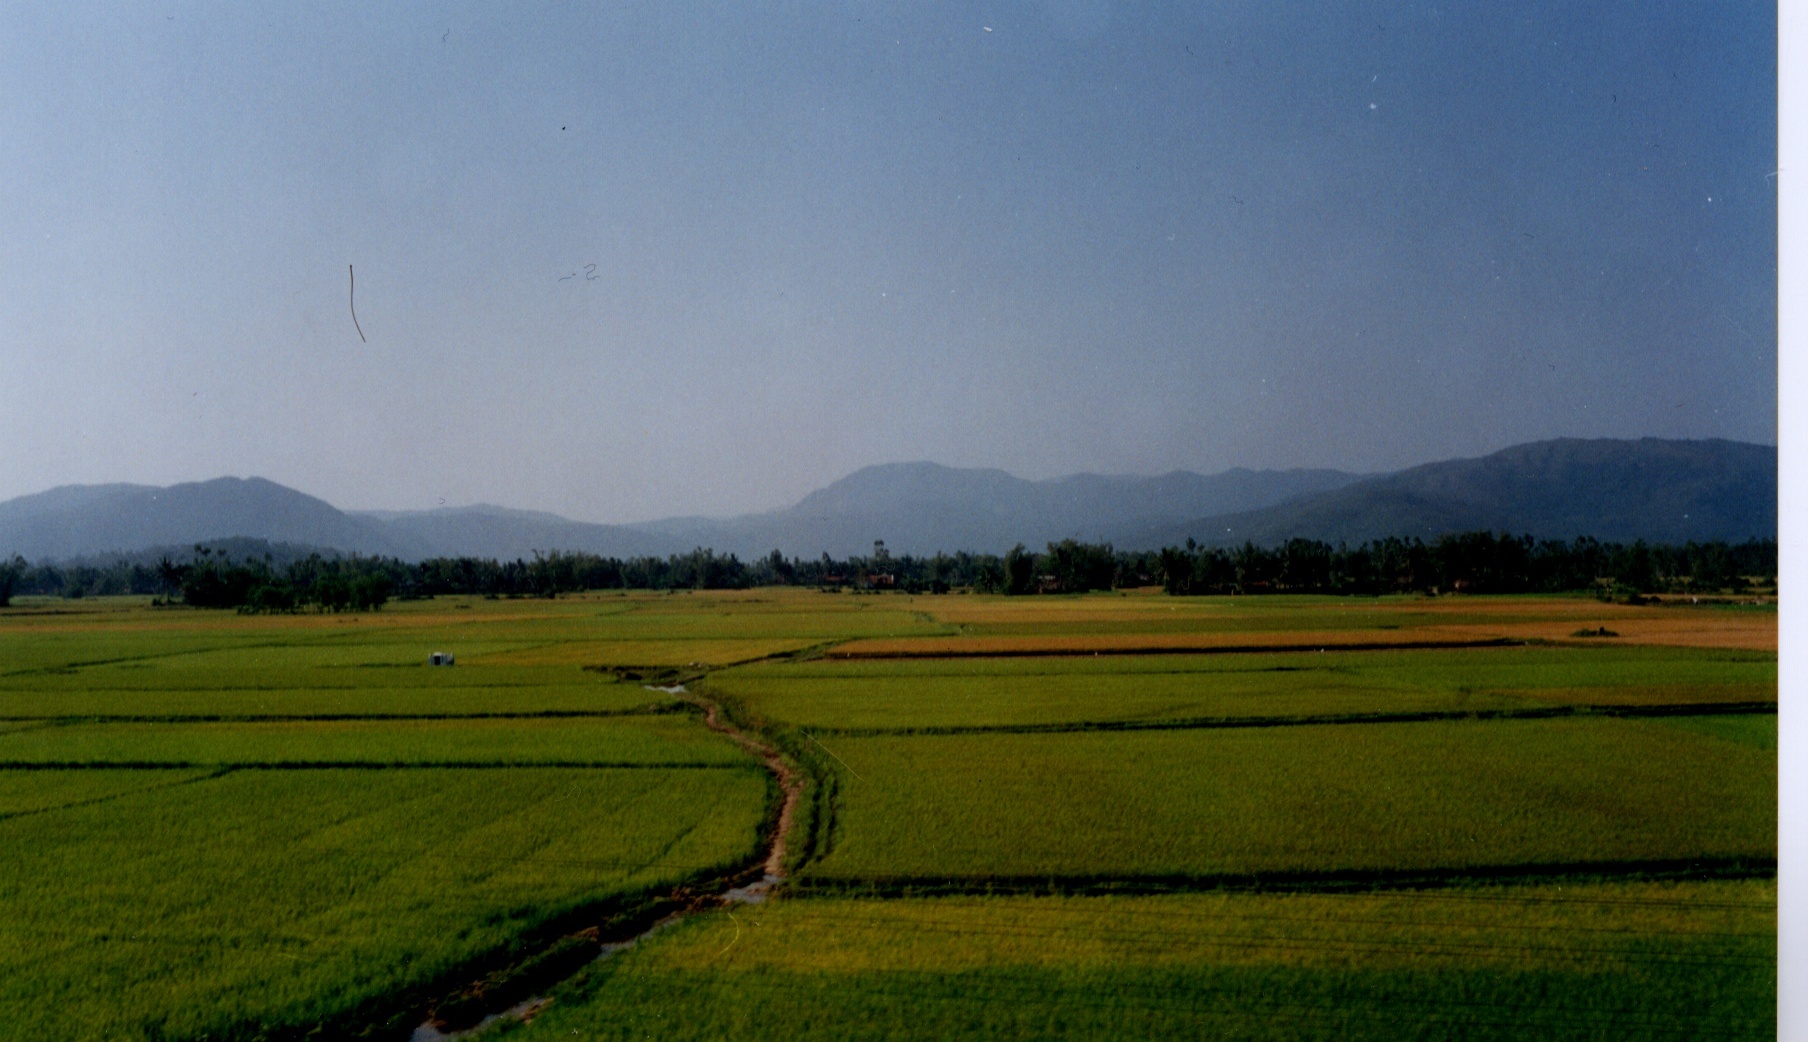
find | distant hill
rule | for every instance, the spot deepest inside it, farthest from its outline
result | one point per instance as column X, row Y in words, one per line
column 504, row 534
column 921, row 508
column 86, row 520
column 1652, row 489
column 1663, row 491
column 914, row 507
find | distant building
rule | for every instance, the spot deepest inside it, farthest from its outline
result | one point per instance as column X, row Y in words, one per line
column 439, row 658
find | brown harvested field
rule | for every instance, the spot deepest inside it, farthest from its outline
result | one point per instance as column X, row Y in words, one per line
column 1665, row 627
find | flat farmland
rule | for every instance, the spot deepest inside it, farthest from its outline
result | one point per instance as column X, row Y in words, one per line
column 32, row 792
column 1580, row 961
column 1317, row 800
column 1101, row 816
column 1148, row 622
column 221, row 906
column 709, row 629
column 108, row 658
column 652, row 741
column 918, row 694
column 342, row 694
column 224, row 826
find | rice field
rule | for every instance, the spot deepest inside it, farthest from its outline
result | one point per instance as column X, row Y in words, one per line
column 648, row 741
column 1104, row 816
column 224, row 826
column 1145, row 621
column 33, row 792
column 357, row 695
column 924, row 694
column 1307, row 801
column 230, row 905
column 1581, row 961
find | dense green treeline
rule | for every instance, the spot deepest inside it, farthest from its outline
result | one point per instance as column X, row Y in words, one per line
column 1477, row 562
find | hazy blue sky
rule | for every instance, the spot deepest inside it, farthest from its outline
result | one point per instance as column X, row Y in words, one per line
column 624, row 261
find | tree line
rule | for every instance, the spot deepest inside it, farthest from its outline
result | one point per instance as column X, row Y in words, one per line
column 1476, row 562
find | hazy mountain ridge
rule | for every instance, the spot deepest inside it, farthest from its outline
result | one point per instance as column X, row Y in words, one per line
column 1654, row 489
column 1664, row 491
column 504, row 534
column 914, row 507
column 103, row 519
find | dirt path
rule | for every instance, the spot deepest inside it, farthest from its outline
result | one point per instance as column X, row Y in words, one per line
column 789, row 780
column 772, row 869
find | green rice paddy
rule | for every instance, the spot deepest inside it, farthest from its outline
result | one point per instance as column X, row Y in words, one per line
column 927, row 694
column 658, row 741
column 295, row 898
column 1297, row 800
column 1589, row 961
column 32, row 792
column 244, row 827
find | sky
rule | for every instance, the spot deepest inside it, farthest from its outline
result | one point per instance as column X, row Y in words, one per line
column 627, row 261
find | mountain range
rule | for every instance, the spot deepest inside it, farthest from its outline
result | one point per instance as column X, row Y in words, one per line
column 1656, row 490
column 1659, row 490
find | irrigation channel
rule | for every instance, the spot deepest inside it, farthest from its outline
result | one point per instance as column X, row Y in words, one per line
column 438, row 1026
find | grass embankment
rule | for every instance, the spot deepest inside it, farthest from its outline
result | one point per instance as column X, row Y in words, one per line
column 1577, row 961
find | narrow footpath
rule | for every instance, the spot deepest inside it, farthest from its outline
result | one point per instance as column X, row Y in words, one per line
column 790, row 783
column 772, row 868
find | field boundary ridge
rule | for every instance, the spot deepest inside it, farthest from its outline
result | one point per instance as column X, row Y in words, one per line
column 1338, row 880
column 1231, row 722
column 366, row 765
column 675, row 708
